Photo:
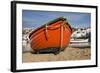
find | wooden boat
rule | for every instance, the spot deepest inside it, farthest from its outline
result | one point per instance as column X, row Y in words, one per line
column 51, row 37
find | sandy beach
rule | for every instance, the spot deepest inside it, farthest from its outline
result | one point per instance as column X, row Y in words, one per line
column 67, row 54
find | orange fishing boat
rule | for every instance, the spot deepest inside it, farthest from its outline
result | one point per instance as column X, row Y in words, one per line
column 51, row 37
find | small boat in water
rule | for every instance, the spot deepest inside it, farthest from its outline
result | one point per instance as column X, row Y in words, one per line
column 51, row 37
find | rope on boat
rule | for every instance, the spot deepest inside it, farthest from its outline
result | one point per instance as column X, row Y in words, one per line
column 61, row 35
column 46, row 32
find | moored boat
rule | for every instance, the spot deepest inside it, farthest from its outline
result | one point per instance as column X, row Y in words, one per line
column 53, row 36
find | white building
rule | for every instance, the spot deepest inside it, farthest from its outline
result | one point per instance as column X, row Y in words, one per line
column 81, row 32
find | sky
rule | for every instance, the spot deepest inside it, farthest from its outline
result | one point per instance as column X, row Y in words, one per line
column 34, row 19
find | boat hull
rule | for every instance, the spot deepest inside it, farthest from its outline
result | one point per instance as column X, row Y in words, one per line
column 55, row 36
column 80, row 43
